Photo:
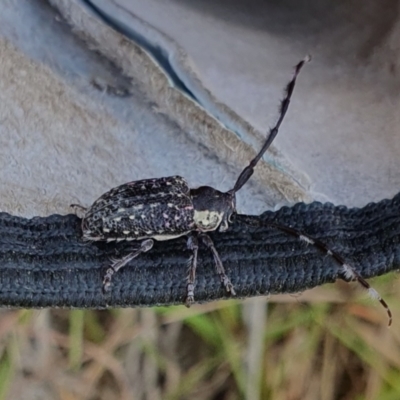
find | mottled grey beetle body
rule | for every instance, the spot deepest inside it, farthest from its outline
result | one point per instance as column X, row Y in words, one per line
column 161, row 209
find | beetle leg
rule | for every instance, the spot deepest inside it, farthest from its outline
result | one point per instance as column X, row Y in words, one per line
column 218, row 264
column 116, row 265
column 193, row 245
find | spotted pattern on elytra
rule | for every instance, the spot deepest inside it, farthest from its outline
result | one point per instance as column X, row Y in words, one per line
column 139, row 209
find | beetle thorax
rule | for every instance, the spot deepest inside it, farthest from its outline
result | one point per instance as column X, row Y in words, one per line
column 212, row 208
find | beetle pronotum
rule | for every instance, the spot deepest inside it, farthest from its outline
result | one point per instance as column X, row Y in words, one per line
column 166, row 208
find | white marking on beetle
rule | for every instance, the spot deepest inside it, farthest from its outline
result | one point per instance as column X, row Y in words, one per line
column 106, row 230
column 374, row 294
column 121, row 210
column 126, row 232
column 168, row 237
column 154, row 205
column 132, row 217
column 329, row 253
column 143, row 216
column 177, row 218
column 136, row 233
column 207, row 220
column 306, row 239
column 92, row 238
column 117, row 219
column 170, row 205
column 138, row 207
column 348, row 272
column 149, row 232
column 143, row 187
column 111, row 239
column 165, row 216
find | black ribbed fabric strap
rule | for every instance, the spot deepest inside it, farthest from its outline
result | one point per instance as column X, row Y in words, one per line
column 44, row 263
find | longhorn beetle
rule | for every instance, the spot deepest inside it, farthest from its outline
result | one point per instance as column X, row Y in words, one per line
column 166, row 208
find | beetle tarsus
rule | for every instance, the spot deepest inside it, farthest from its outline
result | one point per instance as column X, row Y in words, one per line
column 228, row 285
column 190, row 295
column 107, row 279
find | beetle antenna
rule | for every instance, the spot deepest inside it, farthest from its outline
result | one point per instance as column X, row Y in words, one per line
column 348, row 273
column 249, row 170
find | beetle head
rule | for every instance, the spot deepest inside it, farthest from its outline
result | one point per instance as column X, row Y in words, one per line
column 212, row 208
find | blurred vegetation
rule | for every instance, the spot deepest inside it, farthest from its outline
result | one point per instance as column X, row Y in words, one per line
column 328, row 343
